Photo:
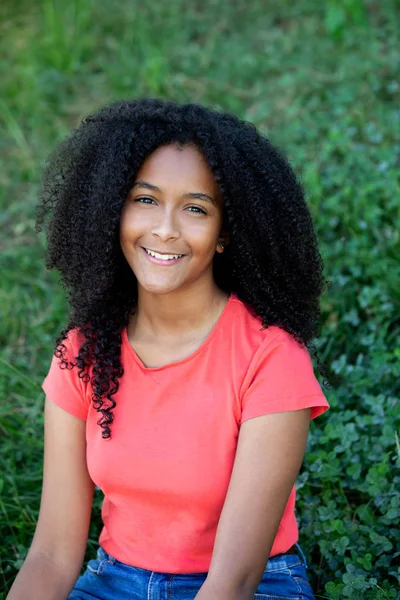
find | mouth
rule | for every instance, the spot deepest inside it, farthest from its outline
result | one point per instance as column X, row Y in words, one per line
column 163, row 259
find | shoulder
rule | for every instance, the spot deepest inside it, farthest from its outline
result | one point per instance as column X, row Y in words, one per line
column 276, row 372
column 65, row 385
column 272, row 352
column 72, row 344
column 249, row 333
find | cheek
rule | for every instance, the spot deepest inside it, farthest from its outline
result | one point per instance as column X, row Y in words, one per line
column 201, row 230
column 130, row 225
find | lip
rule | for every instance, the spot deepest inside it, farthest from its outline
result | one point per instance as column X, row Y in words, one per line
column 159, row 261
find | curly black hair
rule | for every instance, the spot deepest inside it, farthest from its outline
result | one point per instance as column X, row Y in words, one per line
column 271, row 262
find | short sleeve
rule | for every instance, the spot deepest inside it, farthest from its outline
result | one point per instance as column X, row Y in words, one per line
column 281, row 378
column 63, row 386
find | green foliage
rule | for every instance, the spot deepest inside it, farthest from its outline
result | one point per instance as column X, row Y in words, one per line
column 321, row 79
column 345, row 13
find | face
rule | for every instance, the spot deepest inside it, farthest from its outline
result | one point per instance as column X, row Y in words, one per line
column 171, row 221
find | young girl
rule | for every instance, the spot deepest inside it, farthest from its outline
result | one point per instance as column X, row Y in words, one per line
column 182, row 385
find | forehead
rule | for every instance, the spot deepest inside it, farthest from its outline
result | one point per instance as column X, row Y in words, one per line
column 183, row 167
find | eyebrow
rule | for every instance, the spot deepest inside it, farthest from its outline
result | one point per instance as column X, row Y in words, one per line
column 194, row 195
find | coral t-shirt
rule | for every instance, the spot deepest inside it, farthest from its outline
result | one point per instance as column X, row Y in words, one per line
column 166, row 470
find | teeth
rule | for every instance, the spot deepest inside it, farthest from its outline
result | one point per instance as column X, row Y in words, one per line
column 163, row 256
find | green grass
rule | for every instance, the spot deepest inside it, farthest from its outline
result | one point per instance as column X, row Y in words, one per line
column 322, row 80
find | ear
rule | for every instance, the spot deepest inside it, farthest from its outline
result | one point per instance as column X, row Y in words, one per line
column 223, row 240
column 223, row 235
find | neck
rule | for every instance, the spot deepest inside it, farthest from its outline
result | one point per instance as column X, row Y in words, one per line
column 176, row 314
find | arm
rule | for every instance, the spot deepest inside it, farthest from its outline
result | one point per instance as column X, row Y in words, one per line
column 268, row 458
column 55, row 557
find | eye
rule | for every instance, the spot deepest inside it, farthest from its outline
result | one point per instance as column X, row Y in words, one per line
column 144, row 200
column 197, row 208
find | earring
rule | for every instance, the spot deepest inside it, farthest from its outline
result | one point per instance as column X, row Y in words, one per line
column 222, row 244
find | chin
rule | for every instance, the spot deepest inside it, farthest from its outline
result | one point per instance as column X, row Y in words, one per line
column 159, row 289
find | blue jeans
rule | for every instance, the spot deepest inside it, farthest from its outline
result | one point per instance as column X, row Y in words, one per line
column 106, row 578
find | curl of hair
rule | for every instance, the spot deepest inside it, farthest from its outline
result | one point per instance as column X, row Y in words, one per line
column 271, row 262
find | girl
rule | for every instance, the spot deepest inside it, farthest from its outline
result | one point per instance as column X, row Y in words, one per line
column 182, row 385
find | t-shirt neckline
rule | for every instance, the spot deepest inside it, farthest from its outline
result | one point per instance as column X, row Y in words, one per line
column 215, row 329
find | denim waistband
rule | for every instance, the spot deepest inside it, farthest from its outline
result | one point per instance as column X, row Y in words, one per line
column 274, row 563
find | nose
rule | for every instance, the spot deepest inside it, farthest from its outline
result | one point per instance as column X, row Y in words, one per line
column 166, row 227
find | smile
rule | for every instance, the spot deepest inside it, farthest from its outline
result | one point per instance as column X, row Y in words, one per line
column 162, row 258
